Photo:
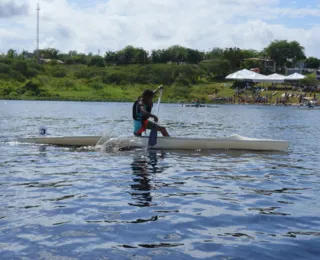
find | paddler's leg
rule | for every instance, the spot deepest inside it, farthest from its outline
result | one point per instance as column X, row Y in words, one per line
column 138, row 128
column 161, row 129
column 164, row 131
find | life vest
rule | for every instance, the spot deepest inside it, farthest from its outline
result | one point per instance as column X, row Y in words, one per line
column 136, row 115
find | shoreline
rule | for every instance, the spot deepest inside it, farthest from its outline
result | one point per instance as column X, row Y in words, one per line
column 163, row 102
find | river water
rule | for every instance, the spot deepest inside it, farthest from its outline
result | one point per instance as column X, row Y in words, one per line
column 66, row 203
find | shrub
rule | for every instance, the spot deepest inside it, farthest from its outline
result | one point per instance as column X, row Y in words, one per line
column 16, row 75
column 182, row 80
column 119, row 78
column 21, row 66
column 69, row 84
column 6, row 60
column 4, row 92
column 59, row 73
column 180, row 91
column 69, row 61
column 27, row 69
column 84, row 74
column 43, row 80
column 53, row 62
column 36, row 66
column 32, row 88
column 96, row 85
column 310, row 80
column 5, row 76
column 4, row 68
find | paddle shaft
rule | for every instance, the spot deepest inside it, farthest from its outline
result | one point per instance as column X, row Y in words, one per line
column 154, row 131
column 159, row 100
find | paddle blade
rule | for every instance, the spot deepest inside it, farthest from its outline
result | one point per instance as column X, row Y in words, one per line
column 153, row 137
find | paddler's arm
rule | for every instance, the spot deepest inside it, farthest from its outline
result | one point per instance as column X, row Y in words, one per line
column 145, row 113
column 158, row 88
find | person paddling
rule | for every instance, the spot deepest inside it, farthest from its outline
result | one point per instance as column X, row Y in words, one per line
column 141, row 112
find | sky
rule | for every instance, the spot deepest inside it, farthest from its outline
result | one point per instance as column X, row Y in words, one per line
column 92, row 25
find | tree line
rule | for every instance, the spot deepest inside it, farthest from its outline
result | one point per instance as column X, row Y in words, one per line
column 20, row 72
column 22, row 76
column 283, row 52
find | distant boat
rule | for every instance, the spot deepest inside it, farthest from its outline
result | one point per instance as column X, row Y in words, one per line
column 199, row 105
column 309, row 107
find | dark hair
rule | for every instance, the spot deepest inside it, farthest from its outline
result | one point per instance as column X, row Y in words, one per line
column 147, row 93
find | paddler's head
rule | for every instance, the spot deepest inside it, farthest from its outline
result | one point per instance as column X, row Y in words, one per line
column 147, row 96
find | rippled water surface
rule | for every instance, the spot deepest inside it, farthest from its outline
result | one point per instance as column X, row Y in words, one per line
column 67, row 203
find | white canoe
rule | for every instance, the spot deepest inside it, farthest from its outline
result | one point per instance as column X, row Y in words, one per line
column 234, row 142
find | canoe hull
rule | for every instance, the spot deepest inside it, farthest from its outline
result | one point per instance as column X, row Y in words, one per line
column 168, row 143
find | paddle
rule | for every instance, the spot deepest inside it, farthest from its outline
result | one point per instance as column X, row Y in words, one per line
column 154, row 132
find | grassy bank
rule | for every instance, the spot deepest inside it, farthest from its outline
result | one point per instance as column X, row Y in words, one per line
column 20, row 79
column 80, row 91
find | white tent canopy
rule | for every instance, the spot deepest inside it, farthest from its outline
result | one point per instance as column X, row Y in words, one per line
column 247, row 75
column 295, row 76
column 241, row 75
column 275, row 78
column 258, row 77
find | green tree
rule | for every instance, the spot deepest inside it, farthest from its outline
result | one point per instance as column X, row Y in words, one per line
column 312, row 63
column 178, row 53
column 96, row 61
column 12, row 54
column 250, row 63
column 216, row 53
column 49, row 53
column 140, row 56
column 26, row 55
column 282, row 51
column 110, row 57
column 234, row 56
column 217, row 69
column 194, row 56
column 156, row 56
column 77, row 58
column 128, row 54
column 250, row 53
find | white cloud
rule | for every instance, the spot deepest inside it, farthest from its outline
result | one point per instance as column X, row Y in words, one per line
column 11, row 8
column 113, row 24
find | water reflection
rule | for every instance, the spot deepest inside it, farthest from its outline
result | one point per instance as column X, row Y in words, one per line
column 42, row 151
column 143, row 169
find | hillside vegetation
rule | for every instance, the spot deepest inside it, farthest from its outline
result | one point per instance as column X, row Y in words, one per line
column 122, row 76
column 21, row 79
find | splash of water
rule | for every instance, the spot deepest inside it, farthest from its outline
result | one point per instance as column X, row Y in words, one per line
column 120, row 143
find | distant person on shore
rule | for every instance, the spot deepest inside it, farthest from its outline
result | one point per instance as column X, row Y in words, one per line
column 141, row 112
column 198, row 102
